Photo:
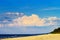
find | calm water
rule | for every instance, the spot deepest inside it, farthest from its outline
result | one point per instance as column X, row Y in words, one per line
column 17, row 35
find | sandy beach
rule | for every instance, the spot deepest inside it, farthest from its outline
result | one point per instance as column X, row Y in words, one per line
column 39, row 37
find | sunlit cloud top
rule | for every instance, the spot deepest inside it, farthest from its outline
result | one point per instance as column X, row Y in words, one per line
column 21, row 20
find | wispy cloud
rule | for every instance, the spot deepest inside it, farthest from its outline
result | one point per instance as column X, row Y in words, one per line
column 33, row 20
column 52, row 8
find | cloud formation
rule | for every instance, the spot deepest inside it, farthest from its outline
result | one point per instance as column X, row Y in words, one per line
column 33, row 20
column 52, row 8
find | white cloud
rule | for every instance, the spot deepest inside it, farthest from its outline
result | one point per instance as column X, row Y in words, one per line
column 17, row 14
column 33, row 20
column 52, row 8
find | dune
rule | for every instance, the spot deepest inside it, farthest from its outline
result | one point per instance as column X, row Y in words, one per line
column 38, row 37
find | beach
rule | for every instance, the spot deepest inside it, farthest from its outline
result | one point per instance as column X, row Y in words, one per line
column 38, row 37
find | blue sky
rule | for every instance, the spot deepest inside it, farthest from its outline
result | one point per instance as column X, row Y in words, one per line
column 44, row 10
column 31, row 6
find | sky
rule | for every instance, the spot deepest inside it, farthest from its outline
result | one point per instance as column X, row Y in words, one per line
column 29, row 16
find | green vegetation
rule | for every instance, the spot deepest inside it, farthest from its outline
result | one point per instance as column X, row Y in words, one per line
column 56, row 31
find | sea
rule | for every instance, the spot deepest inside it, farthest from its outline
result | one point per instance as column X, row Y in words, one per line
column 17, row 35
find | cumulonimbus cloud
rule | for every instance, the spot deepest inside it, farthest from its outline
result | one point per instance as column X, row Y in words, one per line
column 33, row 20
